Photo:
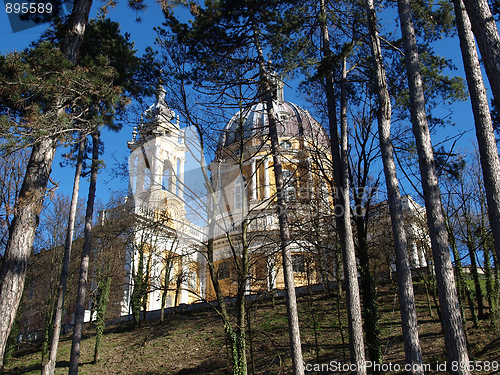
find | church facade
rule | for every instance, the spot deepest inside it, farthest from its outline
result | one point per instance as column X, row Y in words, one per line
column 173, row 204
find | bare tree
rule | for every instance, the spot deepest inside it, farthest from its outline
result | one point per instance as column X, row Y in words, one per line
column 48, row 367
column 84, row 266
column 110, row 238
column 291, row 300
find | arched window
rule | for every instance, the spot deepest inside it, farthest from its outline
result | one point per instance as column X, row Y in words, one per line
column 167, row 177
column 165, row 183
column 147, row 179
column 178, row 187
column 289, row 185
column 286, row 144
column 239, row 192
column 133, row 175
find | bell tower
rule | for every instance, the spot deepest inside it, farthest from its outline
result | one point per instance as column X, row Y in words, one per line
column 157, row 159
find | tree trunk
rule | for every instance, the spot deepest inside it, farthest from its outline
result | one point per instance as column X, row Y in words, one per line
column 281, row 207
column 166, row 281
column 462, row 289
column 21, row 234
column 343, row 214
column 488, row 40
column 291, row 299
column 84, row 266
column 146, row 286
column 454, row 334
column 29, row 204
column 488, row 150
column 413, row 353
column 102, row 303
column 138, row 279
column 496, row 288
column 50, row 305
column 474, row 272
column 490, row 290
column 49, row 367
column 72, row 41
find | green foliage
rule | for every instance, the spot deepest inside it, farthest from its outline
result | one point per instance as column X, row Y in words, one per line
column 103, row 290
column 141, row 285
column 439, row 88
column 448, row 163
column 104, row 44
column 237, row 344
column 433, row 19
column 12, row 340
column 219, row 43
column 495, row 117
column 495, row 8
column 42, row 94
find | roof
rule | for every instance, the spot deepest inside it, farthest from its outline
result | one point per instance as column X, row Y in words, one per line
column 293, row 121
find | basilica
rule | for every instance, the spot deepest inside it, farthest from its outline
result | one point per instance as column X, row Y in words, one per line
column 174, row 192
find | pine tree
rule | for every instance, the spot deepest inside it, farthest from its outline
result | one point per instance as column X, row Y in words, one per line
column 409, row 323
column 29, row 205
column 341, row 178
column 229, row 37
column 488, row 150
column 102, row 39
column 454, row 334
column 485, row 30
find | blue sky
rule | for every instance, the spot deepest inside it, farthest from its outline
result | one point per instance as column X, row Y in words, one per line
column 115, row 143
column 143, row 35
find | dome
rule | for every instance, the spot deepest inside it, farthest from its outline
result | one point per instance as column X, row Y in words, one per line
column 293, row 121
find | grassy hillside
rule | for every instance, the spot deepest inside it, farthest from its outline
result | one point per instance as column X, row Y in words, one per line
column 194, row 343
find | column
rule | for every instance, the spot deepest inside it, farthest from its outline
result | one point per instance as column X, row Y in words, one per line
column 309, row 189
column 266, row 178
column 248, row 286
column 186, row 274
column 254, row 180
column 155, row 294
column 181, row 178
column 156, row 169
column 140, row 170
column 173, row 176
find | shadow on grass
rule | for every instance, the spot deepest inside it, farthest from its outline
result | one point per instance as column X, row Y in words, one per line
column 23, row 370
column 206, row 367
column 491, row 350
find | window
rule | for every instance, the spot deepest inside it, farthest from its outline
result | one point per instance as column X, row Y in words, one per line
column 289, row 194
column 298, row 263
column 239, row 189
column 286, row 144
column 288, row 185
column 147, row 179
column 223, row 271
column 166, row 179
